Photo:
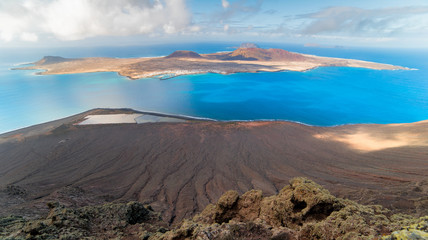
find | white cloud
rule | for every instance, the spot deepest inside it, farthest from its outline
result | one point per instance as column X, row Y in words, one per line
column 232, row 18
column 225, row 3
column 367, row 22
column 226, row 27
column 195, row 28
column 29, row 37
column 239, row 9
column 79, row 19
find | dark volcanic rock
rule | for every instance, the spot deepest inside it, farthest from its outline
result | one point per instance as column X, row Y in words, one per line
column 15, row 190
column 136, row 213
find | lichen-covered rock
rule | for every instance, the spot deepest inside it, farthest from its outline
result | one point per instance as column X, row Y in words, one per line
column 233, row 230
column 301, row 201
column 232, row 206
column 136, row 213
column 249, row 205
column 108, row 221
column 225, row 207
column 301, row 210
column 417, row 231
column 11, row 226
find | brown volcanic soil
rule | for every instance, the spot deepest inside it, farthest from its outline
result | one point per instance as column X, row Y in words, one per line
column 181, row 167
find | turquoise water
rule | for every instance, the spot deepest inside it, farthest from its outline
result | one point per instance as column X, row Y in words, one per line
column 324, row 96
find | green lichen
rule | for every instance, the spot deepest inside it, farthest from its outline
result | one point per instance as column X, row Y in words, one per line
column 417, row 231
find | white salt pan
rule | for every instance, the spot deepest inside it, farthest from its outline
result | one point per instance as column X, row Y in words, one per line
column 110, row 119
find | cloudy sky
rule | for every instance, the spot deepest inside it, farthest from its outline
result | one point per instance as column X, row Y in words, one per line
column 387, row 23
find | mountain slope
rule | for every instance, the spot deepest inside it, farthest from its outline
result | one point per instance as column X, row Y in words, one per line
column 181, row 167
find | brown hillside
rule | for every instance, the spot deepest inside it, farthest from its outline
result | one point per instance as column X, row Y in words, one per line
column 184, row 54
column 52, row 59
column 264, row 55
column 181, row 167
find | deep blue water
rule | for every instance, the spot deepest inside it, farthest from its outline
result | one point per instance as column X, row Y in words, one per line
column 324, row 96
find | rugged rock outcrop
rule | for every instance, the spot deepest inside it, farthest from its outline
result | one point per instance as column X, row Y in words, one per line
column 119, row 221
column 301, row 210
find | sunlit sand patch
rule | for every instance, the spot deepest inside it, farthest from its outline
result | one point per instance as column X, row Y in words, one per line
column 367, row 142
column 110, row 119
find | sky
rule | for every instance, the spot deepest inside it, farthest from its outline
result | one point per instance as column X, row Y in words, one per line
column 375, row 23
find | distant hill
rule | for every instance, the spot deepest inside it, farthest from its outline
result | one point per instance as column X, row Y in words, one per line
column 254, row 54
column 249, row 45
column 184, row 54
column 52, row 59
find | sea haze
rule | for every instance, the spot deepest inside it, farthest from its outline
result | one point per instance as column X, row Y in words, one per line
column 325, row 96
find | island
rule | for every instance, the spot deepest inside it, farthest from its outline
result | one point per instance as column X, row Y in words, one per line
column 247, row 58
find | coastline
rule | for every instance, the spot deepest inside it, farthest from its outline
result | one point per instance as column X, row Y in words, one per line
column 182, row 63
column 49, row 125
column 359, row 136
column 188, row 118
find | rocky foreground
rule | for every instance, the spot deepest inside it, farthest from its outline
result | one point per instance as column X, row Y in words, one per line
column 301, row 210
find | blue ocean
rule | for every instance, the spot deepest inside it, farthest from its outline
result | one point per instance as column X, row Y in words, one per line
column 325, row 96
